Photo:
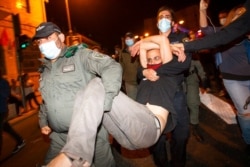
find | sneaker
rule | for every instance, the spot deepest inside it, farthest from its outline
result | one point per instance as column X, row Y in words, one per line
column 19, row 147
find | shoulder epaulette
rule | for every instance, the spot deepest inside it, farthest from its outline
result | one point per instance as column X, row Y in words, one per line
column 41, row 68
column 72, row 50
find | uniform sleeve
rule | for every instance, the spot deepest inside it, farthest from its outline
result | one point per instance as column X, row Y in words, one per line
column 175, row 67
column 110, row 72
column 200, row 70
column 43, row 121
column 236, row 29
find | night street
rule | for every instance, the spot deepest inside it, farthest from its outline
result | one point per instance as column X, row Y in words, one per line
column 223, row 145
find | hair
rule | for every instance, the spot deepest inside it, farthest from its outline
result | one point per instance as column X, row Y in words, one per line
column 166, row 8
column 234, row 14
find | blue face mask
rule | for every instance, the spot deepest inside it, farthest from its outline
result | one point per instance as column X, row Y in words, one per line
column 129, row 42
column 164, row 25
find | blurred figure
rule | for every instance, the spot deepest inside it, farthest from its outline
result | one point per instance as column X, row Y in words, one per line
column 206, row 29
column 235, row 71
column 29, row 91
column 130, row 66
column 117, row 53
column 196, row 75
column 4, row 124
column 15, row 96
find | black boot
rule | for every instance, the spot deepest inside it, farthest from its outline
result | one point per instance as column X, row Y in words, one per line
column 196, row 132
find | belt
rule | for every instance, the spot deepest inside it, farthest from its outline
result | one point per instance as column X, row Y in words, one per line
column 158, row 127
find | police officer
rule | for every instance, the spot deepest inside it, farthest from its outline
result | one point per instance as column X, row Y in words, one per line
column 64, row 72
column 129, row 65
column 180, row 134
column 196, row 75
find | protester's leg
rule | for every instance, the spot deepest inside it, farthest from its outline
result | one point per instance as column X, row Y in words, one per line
column 103, row 155
column 239, row 91
column 129, row 122
column 86, row 118
column 57, row 141
column 181, row 132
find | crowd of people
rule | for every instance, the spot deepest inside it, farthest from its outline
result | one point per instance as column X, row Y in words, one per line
column 145, row 91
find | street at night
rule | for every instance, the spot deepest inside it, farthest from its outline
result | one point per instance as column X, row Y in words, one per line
column 223, row 145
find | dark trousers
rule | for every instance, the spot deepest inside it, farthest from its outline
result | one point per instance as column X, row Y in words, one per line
column 5, row 127
column 31, row 97
column 18, row 103
column 179, row 137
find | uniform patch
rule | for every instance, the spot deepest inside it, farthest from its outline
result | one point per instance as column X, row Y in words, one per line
column 98, row 55
column 68, row 68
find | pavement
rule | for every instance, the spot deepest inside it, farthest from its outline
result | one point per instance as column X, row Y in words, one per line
column 223, row 145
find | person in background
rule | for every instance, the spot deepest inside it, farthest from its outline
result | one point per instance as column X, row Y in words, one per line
column 236, row 29
column 15, row 96
column 235, row 71
column 196, row 75
column 130, row 66
column 4, row 124
column 117, row 53
column 65, row 71
column 206, row 29
column 227, row 34
column 29, row 91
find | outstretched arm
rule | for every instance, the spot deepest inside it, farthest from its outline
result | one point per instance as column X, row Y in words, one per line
column 203, row 13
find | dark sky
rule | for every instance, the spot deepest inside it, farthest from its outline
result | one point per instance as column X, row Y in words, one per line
column 105, row 21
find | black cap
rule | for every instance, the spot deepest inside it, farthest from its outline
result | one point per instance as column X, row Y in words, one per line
column 45, row 29
column 129, row 34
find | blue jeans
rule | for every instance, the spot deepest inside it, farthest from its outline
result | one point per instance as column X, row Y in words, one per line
column 239, row 91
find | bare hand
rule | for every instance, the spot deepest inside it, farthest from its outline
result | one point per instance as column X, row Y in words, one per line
column 178, row 50
column 150, row 74
column 203, row 5
column 203, row 91
column 60, row 161
column 135, row 49
column 45, row 130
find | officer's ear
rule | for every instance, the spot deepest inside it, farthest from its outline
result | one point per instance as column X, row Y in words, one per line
column 61, row 37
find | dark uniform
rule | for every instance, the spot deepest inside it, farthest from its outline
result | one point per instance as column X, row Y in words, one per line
column 180, row 133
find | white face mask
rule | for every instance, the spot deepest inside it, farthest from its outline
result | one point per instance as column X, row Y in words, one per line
column 223, row 21
column 50, row 50
column 164, row 25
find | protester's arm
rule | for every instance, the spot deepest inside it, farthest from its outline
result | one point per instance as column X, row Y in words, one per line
column 203, row 13
column 155, row 42
column 236, row 29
